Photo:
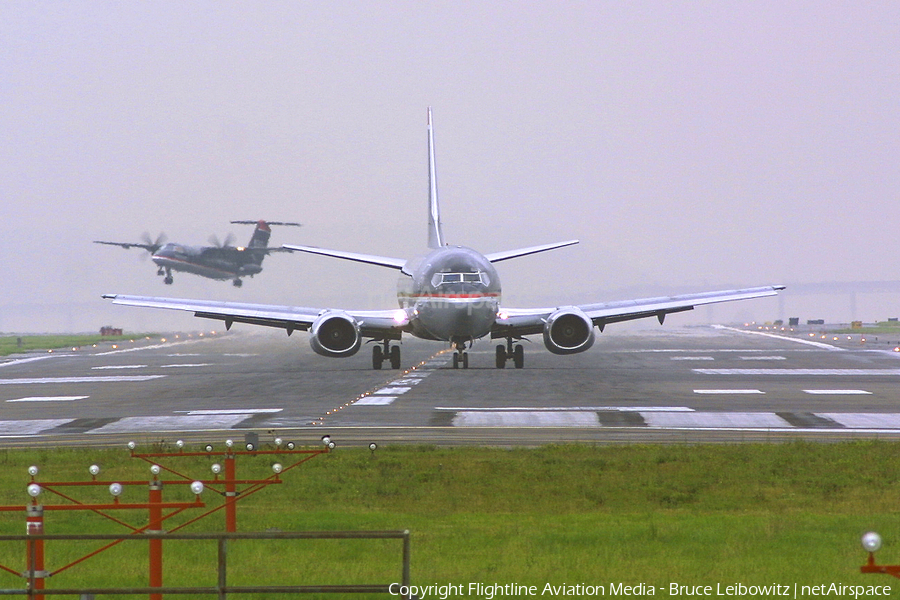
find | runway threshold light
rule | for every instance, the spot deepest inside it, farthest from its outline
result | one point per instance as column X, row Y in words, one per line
column 277, row 468
column 94, row 470
column 155, row 469
column 131, row 445
column 871, row 542
column 32, row 470
column 197, row 488
column 115, row 489
column 34, row 490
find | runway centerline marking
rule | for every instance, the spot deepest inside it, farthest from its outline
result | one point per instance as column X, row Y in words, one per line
column 692, row 358
column 113, row 367
column 837, row 392
column 232, row 411
column 48, row 399
column 763, row 358
column 90, row 379
column 186, row 366
column 729, row 392
column 817, row 372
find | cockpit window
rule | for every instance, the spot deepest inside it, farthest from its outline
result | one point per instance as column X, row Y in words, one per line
column 478, row 278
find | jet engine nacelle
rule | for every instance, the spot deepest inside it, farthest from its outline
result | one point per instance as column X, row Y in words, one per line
column 568, row 331
column 335, row 334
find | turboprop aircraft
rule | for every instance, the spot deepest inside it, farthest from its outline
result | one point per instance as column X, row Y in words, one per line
column 219, row 261
column 452, row 294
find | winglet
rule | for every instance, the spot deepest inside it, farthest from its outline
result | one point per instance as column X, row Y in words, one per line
column 435, row 233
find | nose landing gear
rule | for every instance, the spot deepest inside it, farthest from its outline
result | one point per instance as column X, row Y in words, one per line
column 460, row 356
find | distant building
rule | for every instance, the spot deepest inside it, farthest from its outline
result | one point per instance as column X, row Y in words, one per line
column 105, row 331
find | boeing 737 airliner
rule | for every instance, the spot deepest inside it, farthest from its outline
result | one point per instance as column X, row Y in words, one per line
column 452, row 294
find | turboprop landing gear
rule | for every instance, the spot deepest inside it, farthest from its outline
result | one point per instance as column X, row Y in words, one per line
column 460, row 357
column 237, row 282
column 391, row 353
column 517, row 354
column 168, row 279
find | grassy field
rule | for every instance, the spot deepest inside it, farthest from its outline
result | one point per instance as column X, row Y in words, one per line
column 596, row 515
column 12, row 344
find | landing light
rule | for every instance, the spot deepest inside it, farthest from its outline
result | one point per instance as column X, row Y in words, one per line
column 502, row 315
column 400, row 316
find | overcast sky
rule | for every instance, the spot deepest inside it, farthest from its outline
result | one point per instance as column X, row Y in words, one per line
column 690, row 146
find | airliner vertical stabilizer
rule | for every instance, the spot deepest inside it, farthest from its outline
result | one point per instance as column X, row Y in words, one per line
column 435, row 234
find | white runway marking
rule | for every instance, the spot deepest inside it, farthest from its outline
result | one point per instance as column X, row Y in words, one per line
column 763, row 358
column 185, row 366
column 779, row 337
column 153, row 347
column 837, row 392
column 234, row 411
column 814, row 372
column 49, row 399
column 571, row 409
column 112, row 367
column 692, row 358
column 375, row 401
column 715, row 419
column 729, row 392
column 91, row 379
column 864, row 421
column 24, row 360
column 170, row 423
column 392, row 390
column 29, row 426
column 526, row 419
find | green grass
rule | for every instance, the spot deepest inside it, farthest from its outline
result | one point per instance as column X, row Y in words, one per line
column 27, row 343
column 699, row 515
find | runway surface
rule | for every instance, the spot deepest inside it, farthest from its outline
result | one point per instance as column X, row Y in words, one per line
column 668, row 384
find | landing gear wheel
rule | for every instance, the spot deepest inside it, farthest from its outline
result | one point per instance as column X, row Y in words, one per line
column 395, row 357
column 237, row 283
column 377, row 357
column 519, row 356
column 465, row 360
column 456, row 360
column 501, row 357
column 168, row 280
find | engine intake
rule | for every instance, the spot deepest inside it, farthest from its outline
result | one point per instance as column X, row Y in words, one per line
column 335, row 334
column 568, row 331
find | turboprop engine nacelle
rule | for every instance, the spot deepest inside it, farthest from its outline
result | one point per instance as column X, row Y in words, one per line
column 335, row 334
column 568, row 331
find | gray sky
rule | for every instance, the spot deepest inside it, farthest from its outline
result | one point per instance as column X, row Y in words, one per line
column 689, row 146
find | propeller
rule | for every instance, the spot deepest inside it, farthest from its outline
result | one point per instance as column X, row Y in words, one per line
column 153, row 245
column 229, row 241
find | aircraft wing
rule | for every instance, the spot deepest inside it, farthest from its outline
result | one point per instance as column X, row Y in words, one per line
column 518, row 322
column 498, row 256
column 371, row 259
column 374, row 323
column 148, row 247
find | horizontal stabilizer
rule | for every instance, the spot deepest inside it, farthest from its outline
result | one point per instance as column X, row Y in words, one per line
column 383, row 261
column 498, row 256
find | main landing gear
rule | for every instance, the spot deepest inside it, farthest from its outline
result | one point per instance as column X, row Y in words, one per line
column 517, row 354
column 460, row 356
column 168, row 275
column 388, row 352
column 237, row 282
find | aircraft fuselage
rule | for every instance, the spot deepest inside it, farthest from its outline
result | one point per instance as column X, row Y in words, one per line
column 452, row 294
